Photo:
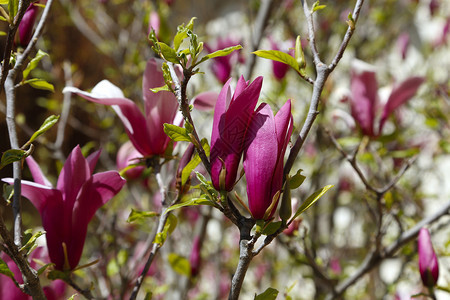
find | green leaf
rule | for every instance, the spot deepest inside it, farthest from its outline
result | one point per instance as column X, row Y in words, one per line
column 191, row 202
column 179, row 264
column 40, row 84
column 168, row 53
column 3, row 2
column 317, row 6
column 271, row 228
column 311, row 200
column 31, row 242
column 48, row 123
column 190, row 25
column 219, row 53
column 33, row 63
column 179, row 37
column 56, row 274
column 43, row 268
column 4, row 269
column 8, row 192
column 269, row 294
column 187, row 170
column 159, row 89
column 169, row 227
column 296, row 180
column 13, row 7
column 176, row 133
column 12, row 155
column 278, row 56
column 136, row 215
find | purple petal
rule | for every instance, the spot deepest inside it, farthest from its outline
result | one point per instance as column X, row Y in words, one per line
column 160, row 108
column 132, row 118
column 240, row 86
column 73, row 175
column 92, row 160
column 260, row 159
column 222, row 103
column 36, row 172
column 98, row 190
column 428, row 263
column 399, row 96
column 205, row 101
column 364, row 88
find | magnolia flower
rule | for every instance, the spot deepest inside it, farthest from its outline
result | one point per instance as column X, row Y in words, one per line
column 146, row 132
column 222, row 65
column 428, row 263
column 364, row 99
column 25, row 30
column 232, row 116
column 9, row 291
column 266, row 143
column 67, row 209
column 128, row 155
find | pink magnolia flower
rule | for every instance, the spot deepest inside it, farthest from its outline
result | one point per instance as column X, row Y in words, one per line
column 128, row 155
column 232, row 116
column 146, row 132
column 222, row 65
column 364, row 99
column 9, row 291
column 428, row 262
column 266, row 143
column 25, row 30
column 67, row 209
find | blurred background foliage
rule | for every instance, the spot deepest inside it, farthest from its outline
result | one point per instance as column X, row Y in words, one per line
column 88, row 41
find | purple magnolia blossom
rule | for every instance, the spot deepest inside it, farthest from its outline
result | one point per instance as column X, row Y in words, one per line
column 222, row 65
column 67, row 209
column 128, row 155
column 428, row 263
column 267, row 139
column 364, row 99
column 146, row 132
column 9, row 291
column 25, row 30
column 232, row 116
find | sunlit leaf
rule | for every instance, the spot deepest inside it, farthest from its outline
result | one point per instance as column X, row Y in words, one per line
column 33, row 63
column 176, row 133
column 12, row 155
column 219, row 53
column 269, row 294
column 48, row 123
column 311, row 200
column 136, row 215
column 179, row 264
column 40, row 84
column 279, row 56
column 168, row 53
column 191, row 202
column 296, row 180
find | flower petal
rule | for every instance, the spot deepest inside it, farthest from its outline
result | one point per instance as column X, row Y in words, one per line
column 98, row 190
column 73, row 175
column 92, row 160
column 132, row 118
column 399, row 96
column 364, row 99
column 260, row 159
column 205, row 101
column 36, row 172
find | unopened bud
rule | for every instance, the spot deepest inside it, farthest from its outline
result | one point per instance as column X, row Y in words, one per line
column 299, row 55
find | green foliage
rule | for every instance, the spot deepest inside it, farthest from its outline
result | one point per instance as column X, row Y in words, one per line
column 170, row 226
column 316, row 6
column 192, row 202
column 140, row 216
column 8, row 192
column 179, row 264
column 13, row 8
column 48, row 123
column 40, row 84
column 33, row 63
column 4, row 269
column 195, row 161
column 176, row 133
column 12, row 155
column 268, row 294
column 30, row 240
column 296, row 180
column 311, row 200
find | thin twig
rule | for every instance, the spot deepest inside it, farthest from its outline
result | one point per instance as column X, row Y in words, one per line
column 86, row 293
column 374, row 258
column 260, row 24
column 180, row 93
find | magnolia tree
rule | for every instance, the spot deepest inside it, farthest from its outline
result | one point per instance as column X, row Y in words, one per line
column 281, row 150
